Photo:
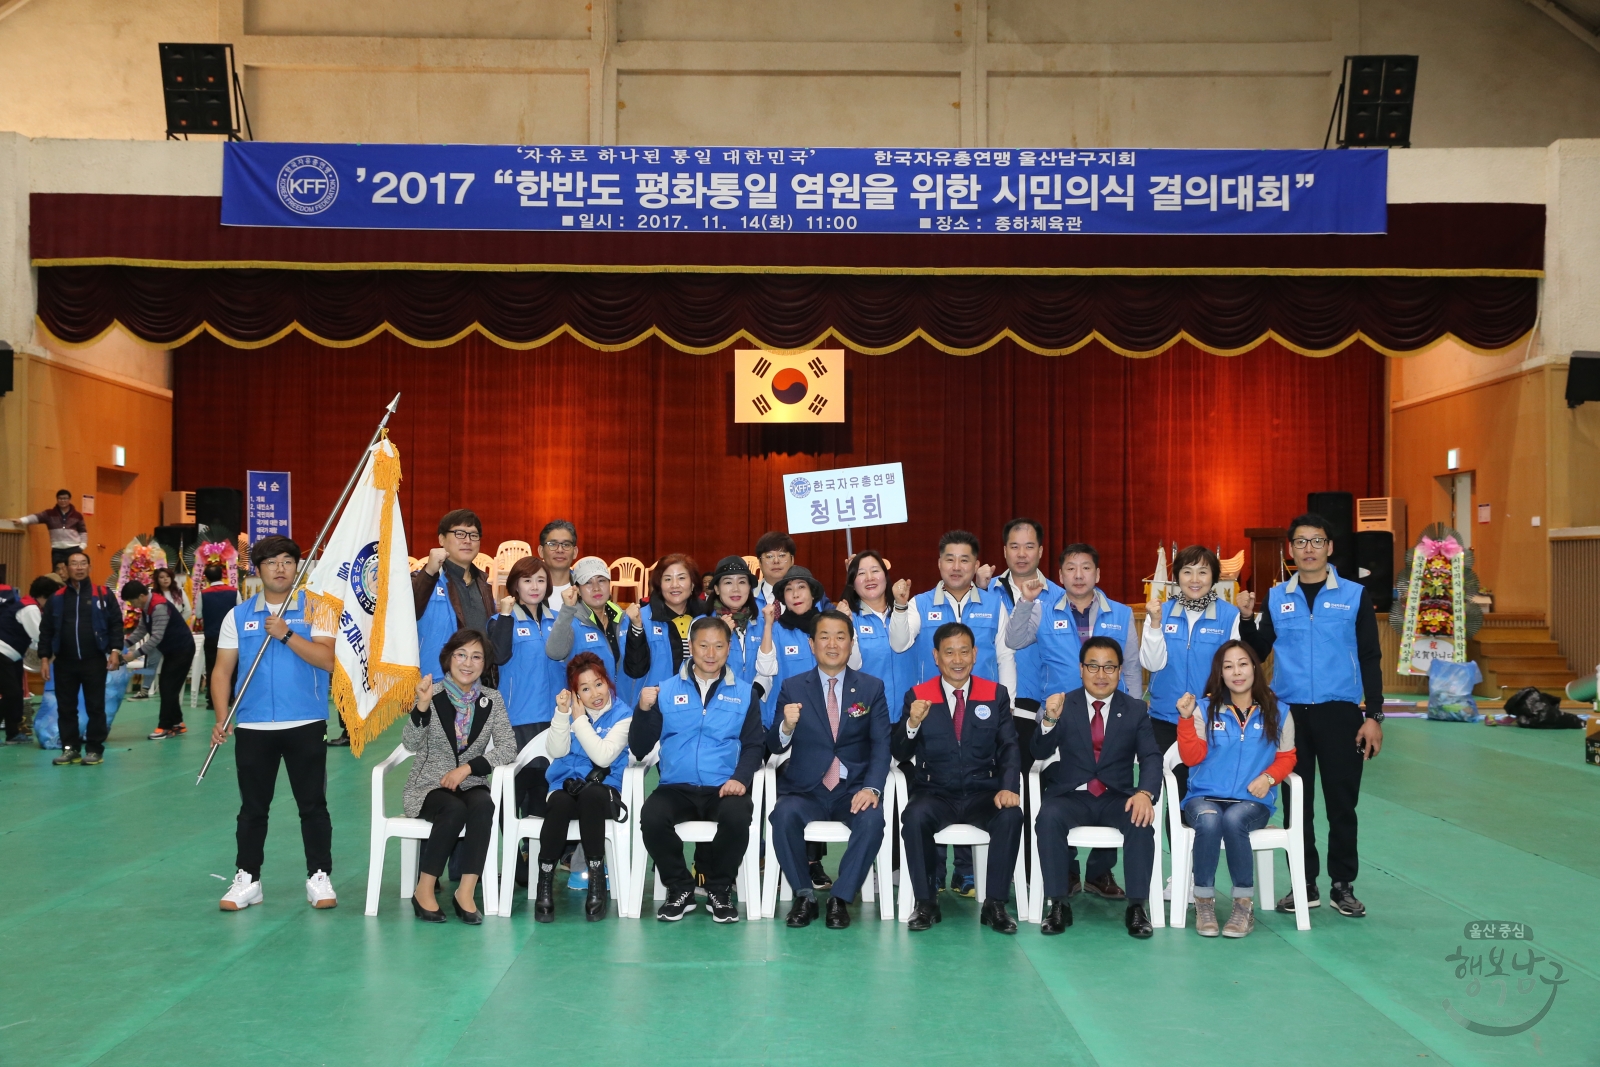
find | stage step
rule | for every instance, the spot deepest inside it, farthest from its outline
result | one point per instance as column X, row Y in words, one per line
column 1518, row 655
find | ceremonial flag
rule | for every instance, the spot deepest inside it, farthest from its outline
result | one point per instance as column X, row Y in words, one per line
column 361, row 589
column 805, row 387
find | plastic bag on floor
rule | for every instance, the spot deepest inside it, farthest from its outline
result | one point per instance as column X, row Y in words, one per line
column 1536, row 710
column 1450, row 691
column 46, row 724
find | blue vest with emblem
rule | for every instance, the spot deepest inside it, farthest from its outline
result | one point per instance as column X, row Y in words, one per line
column 577, row 764
column 1314, row 656
column 700, row 745
column 285, row 688
column 794, row 657
column 1234, row 757
column 586, row 637
column 743, row 650
column 1058, row 644
column 436, row 626
column 896, row 670
column 982, row 617
column 1030, row 661
column 658, row 637
column 530, row 680
column 1190, row 651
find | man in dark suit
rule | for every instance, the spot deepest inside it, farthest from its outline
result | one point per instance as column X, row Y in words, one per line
column 835, row 727
column 968, row 770
column 1099, row 732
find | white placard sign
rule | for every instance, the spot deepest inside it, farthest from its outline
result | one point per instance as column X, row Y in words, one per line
column 845, row 498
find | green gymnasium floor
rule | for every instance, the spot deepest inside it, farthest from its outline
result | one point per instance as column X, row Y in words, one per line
column 112, row 950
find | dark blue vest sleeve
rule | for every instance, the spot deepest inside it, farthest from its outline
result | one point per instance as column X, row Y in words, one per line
column 645, row 731
column 752, row 746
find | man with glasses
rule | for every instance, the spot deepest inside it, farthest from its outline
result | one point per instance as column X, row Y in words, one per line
column 1099, row 732
column 451, row 593
column 558, row 547
column 1323, row 629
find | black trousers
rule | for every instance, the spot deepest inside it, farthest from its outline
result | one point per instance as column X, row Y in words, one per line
column 591, row 807
column 1325, row 741
column 211, row 661
column 87, row 676
column 719, row 861
column 451, row 811
column 1058, row 815
column 304, row 755
column 174, row 673
column 531, row 787
column 928, row 813
column 12, row 701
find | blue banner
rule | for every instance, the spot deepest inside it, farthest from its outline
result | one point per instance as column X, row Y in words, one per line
column 266, row 504
column 803, row 190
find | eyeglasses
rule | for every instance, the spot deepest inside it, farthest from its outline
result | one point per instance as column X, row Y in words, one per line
column 560, row 544
column 1309, row 542
column 1101, row 668
column 466, row 535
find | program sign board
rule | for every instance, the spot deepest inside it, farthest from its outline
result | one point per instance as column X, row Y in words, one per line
column 266, row 504
column 845, row 498
column 804, row 190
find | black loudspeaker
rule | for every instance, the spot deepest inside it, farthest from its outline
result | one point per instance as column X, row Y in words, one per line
column 6, row 380
column 196, row 81
column 221, row 510
column 177, row 540
column 1375, row 555
column 1340, row 511
column 1583, row 378
column 1379, row 94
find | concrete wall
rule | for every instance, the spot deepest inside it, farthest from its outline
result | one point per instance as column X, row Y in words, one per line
column 1248, row 73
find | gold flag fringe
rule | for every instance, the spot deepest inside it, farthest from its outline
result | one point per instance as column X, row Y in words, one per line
column 396, row 689
column 385, row 476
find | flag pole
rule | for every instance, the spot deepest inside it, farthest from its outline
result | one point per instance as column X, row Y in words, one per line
column 299, row 575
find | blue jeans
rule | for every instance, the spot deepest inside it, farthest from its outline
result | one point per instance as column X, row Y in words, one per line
column 1217, row 823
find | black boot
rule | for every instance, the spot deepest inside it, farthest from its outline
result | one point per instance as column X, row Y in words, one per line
column 544, row 897
column 595, row 907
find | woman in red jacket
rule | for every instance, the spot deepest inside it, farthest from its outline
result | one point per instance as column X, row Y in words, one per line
column 1237, row 752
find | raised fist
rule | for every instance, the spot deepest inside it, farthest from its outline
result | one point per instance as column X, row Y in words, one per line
column 1246, row 603
column 564, row 702
column 1031, row 588
column 425, row 692
column 569, row 596
column 791, row 715
column 902, row 591
column 1152, row 610
column 770, row 612
column 919, row 711
column 1053, row 705
column 436, row 558
column 647, row 697
column 985, row 574
column 1186, row 705
column 632, row 611
column 506, row 604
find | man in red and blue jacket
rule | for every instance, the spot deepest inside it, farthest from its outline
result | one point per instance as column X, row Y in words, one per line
column 80, row 640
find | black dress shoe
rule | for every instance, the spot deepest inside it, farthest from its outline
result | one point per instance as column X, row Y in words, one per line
column 801, row 912
column 994, row 915
column 923, row 915
column 838, row 914
column 1057, row 916
column 424, row 914
column 595, row 905
column 471, row 918
column 544, row 896
column 1137, row 920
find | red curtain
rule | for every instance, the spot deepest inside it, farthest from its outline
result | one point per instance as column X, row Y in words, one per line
column 638, row 448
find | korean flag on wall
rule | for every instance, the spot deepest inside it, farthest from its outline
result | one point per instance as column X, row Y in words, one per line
column 771, row 387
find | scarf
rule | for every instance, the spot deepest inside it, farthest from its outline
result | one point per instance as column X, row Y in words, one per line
column 463, row 700
column 1196, row 604
column 804, row 621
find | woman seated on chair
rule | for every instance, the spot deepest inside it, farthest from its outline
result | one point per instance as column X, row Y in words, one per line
column 586, row 779
column 1237, row 753
column 449, row 732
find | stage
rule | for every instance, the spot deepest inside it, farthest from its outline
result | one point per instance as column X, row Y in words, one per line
column 116, row 952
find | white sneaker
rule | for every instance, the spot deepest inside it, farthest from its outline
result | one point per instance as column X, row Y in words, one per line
column 244, row 892
column 1166, row 892
column 319, row 891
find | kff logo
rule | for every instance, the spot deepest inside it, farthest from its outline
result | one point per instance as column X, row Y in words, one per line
column 308, row 185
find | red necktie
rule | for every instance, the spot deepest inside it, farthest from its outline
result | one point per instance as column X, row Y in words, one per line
column 961, row 713
column 1097, row 735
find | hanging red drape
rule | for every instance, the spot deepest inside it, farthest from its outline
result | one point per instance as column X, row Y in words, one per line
column 638, row 448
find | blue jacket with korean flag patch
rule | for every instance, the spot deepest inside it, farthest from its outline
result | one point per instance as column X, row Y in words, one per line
column 703, row 743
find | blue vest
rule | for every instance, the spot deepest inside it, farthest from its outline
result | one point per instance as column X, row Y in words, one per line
column 658, row 637
column 530, row 680
column 742, row 651
column 285, row 688
column 1314, row 656
column 437, row 625
column 982, row 617
column 1058, row 644
column 177, row 637
column 896, row 670
column 577, row 764
column 1234, row 757
column 1030, row 661
column 1190, row 651
column 700, row 745
column 794, row 657
column 101, row 603
column 588, row 638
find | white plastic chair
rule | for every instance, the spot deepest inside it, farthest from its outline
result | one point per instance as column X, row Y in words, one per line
column 879, row 883
column 960, row 833
column 197, row 670
column 1262, row 843
column 411, row 833
column 748, row 881
column 1091, row 837
column 630, row 574
column 528, row 827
